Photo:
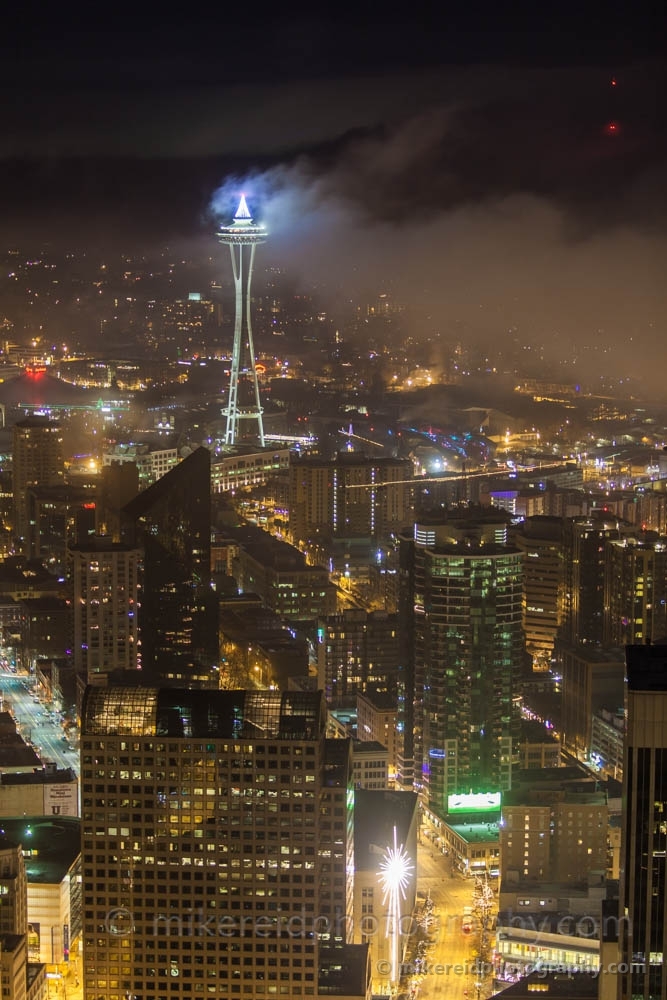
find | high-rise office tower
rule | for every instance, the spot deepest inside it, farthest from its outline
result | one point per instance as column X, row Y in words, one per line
column 171, row 522
column 644, row 847
column 635, row 590
column 105, row 590
column 37, row 460
column 541, row 541
column 242, row 238
column 217, row 846
column 462, row 652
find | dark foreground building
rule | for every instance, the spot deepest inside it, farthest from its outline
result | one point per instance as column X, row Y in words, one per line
column 643, row 886
column 171, row 522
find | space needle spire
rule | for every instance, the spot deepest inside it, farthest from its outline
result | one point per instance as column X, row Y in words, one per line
column 242, row 237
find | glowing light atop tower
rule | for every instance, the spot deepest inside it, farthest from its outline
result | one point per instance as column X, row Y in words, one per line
column 243, row 212
column 395, row 873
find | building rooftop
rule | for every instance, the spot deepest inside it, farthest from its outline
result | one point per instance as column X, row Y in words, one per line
column 256, row 623
column 526, row 796
column 468, row 514
column 59, row 604
column 198, row 463
column 476, row 833
column 533, row 731
column 343, row 971
column 270, row 551
column 101, row 543
column 7, row 724
column 368, row 746
column 646, row 668
column 10, row 942
column 62, row 493
column 383, row 701
column 549, row 776
column 15, row 753
column 558, row 890
column 561, row 922
column 32, row 971
column 17, row 570
column 542, row 527
column 186, row 713
column 568, row 986
column 597, row 654
column 43, row 776
column 50, row 846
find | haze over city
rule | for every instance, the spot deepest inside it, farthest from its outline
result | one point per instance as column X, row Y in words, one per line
column 498, row 179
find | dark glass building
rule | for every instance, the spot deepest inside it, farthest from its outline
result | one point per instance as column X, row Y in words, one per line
column 643, row 887
column 171, row 522
column 584, row 540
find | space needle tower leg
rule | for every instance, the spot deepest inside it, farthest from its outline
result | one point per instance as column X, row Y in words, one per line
column 232, row 419
column 251, row 350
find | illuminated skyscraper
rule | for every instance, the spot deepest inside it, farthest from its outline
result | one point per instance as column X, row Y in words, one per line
column 242, row 237
column 232, row 876
column 462, row 651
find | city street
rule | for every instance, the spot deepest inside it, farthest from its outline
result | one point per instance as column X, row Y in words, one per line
column 449, row 961
column 36, row 723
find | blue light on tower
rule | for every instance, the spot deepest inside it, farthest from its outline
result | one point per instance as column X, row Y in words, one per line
column 242, row 238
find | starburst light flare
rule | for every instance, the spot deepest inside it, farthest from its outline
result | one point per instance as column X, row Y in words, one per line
column 395, row 872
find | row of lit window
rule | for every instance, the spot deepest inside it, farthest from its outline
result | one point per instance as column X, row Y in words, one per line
column 286, row 748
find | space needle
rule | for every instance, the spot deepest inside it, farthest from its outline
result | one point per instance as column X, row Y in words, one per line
column 242, row 238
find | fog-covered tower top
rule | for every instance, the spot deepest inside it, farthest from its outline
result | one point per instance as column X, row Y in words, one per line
column 242, row 237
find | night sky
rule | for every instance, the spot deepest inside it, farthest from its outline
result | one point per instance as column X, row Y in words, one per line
column 502, row 164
